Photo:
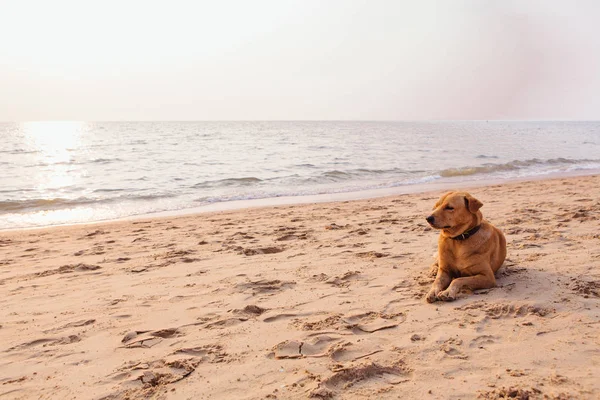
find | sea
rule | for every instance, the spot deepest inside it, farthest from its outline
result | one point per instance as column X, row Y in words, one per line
column 68, row 172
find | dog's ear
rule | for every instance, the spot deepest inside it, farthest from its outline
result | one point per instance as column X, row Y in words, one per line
column 472, row 204
column 441, row 200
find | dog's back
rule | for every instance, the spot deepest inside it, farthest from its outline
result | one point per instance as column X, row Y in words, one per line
column 498, row 254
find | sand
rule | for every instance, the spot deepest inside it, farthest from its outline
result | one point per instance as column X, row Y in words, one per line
column 293, row 302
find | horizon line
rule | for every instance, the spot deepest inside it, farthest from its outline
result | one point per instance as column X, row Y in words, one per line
column 302, row 120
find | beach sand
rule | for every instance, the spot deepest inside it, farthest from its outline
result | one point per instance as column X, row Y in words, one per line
column 322, row 300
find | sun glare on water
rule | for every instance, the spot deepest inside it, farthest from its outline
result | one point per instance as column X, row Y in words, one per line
column 53, row 139
column 54, row 146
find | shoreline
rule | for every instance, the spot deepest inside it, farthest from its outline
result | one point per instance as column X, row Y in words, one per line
column 319, row 300
column 324, row 198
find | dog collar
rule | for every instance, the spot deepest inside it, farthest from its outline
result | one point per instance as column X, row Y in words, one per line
column 467, row 234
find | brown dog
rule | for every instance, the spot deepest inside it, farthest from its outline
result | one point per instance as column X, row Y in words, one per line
column 470, row 250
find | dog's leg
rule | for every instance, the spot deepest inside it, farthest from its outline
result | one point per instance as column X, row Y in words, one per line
column 482, row 281
column 442, row 280
column 433, row 269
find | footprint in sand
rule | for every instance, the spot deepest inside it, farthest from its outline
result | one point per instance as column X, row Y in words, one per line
column 173, row 254
column 225, row 323
column 240, row 236
column 585, row 288
column 261, row 250
column 359, row 323
column 251, row 310
column 293, row 236
column 451, row 348
column 344, row 280
column 93, row 234
column 332, row 322
column 211, row 353
column 372, row 321
column 350, row 352
column 146, row 379
column 506, row 310
column 360, row 231
column 94, row 251
column 483, row 340
column 371, row 255
column 318, row 346
column 318, row 278
column 76, row 324
column 342, row 380
column 514, row 393
column 168, row 258
column 288, row 349
column 281, row 316
column 46, row 342
column 334, row 226
column 147, row 339
column 265, row 286
column 65, row 269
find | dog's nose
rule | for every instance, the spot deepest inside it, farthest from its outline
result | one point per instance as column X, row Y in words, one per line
column 430, row 219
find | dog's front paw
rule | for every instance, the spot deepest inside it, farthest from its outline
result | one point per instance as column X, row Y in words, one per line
column 446, row 295
column 431, row 296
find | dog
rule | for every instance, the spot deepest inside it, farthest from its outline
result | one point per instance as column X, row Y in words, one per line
column 470, row 249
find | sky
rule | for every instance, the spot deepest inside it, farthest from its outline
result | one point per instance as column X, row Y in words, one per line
column 299, row 60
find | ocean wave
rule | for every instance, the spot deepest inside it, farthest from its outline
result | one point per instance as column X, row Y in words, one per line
column 331, row 176
column 16, row 206
column 296, row 190
column 109, row 190
column 20, row 205
column 19, row 151
column 356, row 173
column 227, row 182
column 76, row 162
column 485, row 156
column 335, row 175
column 101, row 161
column 15, row 190
column 511, row 166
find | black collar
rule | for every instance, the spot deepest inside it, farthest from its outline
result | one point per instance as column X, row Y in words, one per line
column 467, row 234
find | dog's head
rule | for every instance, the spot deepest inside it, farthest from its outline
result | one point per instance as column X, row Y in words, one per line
column 455, row 212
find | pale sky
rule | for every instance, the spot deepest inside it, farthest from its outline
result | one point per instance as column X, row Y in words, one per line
column 299, row 60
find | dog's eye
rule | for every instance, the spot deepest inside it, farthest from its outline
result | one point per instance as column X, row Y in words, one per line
column 448, row 208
